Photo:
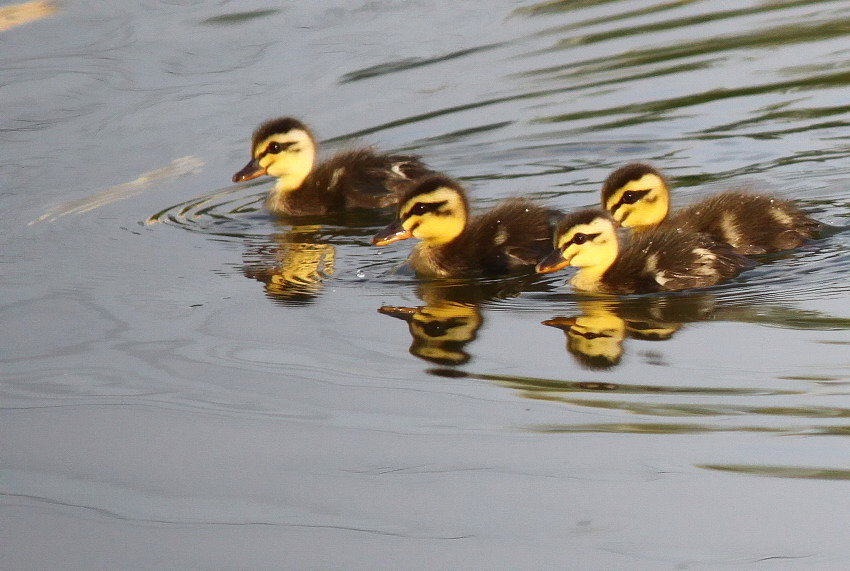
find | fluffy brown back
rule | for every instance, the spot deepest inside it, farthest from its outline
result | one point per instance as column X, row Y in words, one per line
column 515, row 234
column 671, row 260
column 750, row 223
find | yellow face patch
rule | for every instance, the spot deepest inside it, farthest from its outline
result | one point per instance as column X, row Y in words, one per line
column 436, row 217
column 591, row 247
column 591, row 244
column 640, row 203
column 288, row 156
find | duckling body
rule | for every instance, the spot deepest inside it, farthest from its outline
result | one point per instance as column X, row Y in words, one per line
column 515, row 234
column 651, row 261
column 362, row 178
column 637, row 196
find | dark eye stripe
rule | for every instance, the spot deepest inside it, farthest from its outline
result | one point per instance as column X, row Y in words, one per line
column 587, row 238
column 590, row 335
column 442, row 328
column 639, row 193
column 275, row 147
column 421, row 208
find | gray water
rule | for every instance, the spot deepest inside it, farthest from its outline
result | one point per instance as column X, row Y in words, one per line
column 188, row 382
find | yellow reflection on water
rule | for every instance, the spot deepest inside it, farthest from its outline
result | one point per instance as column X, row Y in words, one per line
column 299, row 266
column 595, row 337
column 20, row 14
column 440, row 330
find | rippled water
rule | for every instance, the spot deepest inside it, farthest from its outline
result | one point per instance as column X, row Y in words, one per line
column 189, row 382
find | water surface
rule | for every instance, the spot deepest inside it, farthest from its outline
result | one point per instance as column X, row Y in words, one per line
column 189, row 382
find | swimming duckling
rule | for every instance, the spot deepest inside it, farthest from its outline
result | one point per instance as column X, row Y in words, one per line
column 650, row 261
column 361, row 178
column 637, row 196
column 515, row 234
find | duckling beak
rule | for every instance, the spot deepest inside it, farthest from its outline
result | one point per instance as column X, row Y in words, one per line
column 249, row 171
column 405, row 313
column 552, row 263
column 392, row 233
column 564, row 323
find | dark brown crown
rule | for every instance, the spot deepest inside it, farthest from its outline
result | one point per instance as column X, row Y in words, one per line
column 580, row 217
column 277, row 126
column 624, row 175
column 431, row 183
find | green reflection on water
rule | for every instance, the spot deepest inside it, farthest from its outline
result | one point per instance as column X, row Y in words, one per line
column 561, row 6
column 770, row 36
column 534, row 385
column 799, row 472
column 686, row 428
column 685, row 409
column 656, row 110
column 410, row 63
column 239, row 17
column 648, row 428
column 790, row 34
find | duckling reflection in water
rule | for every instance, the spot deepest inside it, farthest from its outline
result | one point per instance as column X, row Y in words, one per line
column 638, row 197
column 361, row 178
column 651, row 261
column 299, row 268
column 595, row 340
column 451, row 316
column 512, row 236
column 595, row 337
column 440, row 330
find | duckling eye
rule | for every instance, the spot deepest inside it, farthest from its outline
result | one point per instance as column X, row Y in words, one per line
column 275, row 147
column 419, row 209
column 580, row 238
column 632, row 196
column 436, row 329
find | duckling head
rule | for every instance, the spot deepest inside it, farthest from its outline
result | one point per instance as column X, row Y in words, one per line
column 434, row 210
column 283, row 148
column 636, row 196
column 586, row 239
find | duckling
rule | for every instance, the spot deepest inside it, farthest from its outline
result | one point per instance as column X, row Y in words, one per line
column 637, row 196
column 361, row 178
column 515, row 234
column 650, row 261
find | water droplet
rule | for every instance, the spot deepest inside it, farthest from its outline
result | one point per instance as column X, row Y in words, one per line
column 360, row 274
